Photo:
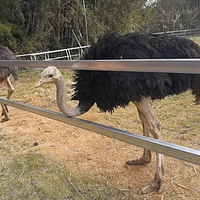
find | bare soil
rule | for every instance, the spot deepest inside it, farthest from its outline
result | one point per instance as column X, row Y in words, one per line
column 101, row 157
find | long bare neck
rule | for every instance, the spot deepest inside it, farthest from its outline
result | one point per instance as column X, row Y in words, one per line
column 62, row 99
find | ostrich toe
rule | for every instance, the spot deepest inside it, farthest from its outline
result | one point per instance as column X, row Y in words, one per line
column 155, row 186
column 140, row 161
column 7, row 118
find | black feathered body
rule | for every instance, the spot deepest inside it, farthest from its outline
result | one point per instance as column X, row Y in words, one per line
column 112, row 89
column 6, row 54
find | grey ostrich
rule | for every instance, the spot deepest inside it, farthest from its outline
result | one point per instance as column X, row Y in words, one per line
column 5, row 72
column 112, row 89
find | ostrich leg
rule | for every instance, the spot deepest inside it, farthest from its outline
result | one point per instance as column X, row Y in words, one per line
column 4, row 113
column 146, row 158
column 4, row 107
column 151, row 124
column 10, row 87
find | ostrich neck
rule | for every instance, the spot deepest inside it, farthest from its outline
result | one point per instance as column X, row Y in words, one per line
column 62, row 100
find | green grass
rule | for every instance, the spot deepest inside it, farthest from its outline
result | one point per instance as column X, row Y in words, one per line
column 27, row 174
column 196, row 39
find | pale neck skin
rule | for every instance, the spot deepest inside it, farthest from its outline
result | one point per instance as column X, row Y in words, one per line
column 62, row 99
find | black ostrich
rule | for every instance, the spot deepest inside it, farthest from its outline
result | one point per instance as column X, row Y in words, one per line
column 112, row 89
column 5, row 72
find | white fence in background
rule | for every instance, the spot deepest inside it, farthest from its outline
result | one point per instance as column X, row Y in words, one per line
column 74, row 53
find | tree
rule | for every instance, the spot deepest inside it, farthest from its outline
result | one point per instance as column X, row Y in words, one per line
column 178, row 14
column 6, row 37
column 53, row 24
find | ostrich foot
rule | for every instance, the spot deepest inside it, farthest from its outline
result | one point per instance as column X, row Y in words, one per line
column 140, row 161
column 145, row 159
column 156, row 185
column 5, row 119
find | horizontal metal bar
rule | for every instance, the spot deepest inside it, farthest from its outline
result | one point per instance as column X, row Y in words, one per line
column 176, row 151
column 137, row 65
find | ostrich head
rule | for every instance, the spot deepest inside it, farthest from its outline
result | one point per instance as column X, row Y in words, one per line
column 50, row 75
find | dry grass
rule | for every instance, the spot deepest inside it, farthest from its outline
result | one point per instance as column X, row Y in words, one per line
column 196, row 39
column 94, row 163
column 42, row 171
column 28, row 174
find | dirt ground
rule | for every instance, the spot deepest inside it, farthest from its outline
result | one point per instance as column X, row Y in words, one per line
column 104, row 158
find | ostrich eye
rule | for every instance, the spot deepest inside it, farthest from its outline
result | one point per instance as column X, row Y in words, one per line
column 50, row 75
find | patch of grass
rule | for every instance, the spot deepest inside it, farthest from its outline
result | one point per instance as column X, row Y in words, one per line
column 32, row 175
column 195, row 39
column 180, row 118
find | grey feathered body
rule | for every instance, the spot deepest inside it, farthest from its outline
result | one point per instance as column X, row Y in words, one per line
column 6, row 54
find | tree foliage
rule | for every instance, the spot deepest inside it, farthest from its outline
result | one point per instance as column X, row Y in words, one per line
column 51, row 24
column 178, row 14
column 34, row 25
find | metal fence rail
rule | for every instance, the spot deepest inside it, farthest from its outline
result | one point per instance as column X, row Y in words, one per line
column 176, row 151
column 137, row 65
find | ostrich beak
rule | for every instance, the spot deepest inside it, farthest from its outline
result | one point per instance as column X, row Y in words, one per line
column 41, row 82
